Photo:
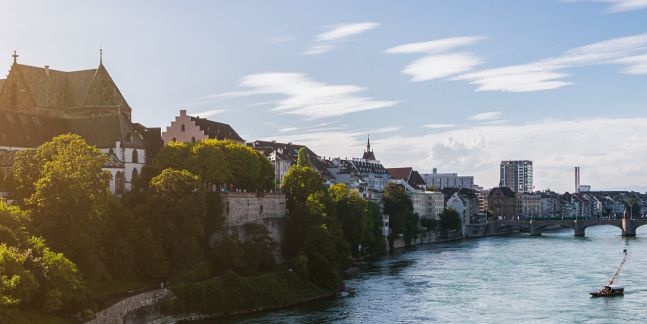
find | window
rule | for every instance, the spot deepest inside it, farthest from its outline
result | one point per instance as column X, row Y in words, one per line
column 192, row 139
column 174, row 139
column 119, row 183
column 135, row 158
column 183, row 128
column 135, row 176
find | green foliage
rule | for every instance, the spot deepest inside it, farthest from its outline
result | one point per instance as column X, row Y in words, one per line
column 402, row 220
column 210, row 162
column 17, row 283
column 302, row 159
column 450, row 220
column 429, row 223
column 232, row 294
column 247, row 257
column 299, row 183
column 176, row 212
column 26, row 171
column 361, row 228
column 13, row 225
column 69, row 197
column 61, row 280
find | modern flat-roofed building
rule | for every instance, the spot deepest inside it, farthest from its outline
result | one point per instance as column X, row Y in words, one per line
column 441, row 181
column 517, row 175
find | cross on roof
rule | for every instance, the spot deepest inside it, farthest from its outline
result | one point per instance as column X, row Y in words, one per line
column 15, row 57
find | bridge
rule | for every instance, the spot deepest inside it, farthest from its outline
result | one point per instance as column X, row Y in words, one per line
column 536, row 227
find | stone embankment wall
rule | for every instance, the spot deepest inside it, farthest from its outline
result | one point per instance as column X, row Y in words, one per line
column 142, row 308
column 267, row 209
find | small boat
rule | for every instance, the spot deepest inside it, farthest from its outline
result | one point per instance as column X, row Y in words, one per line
column 609, row 291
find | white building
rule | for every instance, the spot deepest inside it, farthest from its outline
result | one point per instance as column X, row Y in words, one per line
column 447, row 180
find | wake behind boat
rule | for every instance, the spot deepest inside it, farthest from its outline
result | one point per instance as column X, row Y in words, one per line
column 610, row 289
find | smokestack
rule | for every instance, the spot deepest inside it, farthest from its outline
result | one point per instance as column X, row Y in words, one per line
column 577, row 179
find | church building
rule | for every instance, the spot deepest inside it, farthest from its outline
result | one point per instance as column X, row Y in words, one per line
column 39, row 103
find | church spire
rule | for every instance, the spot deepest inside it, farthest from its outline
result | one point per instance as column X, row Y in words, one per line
column 15, row 57
column 368, row 143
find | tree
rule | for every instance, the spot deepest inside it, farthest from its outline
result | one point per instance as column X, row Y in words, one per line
column 17, row 283
column 402, row 220
column 265, row 179
column 70, row 198
column 210, row 162
column 13, row 225
column 26, row 171
column 177, row 210
column 302, row 158
column 450, row 220
column 429, row 223
column 61, row 282
column 299, row 183
column 243, row 166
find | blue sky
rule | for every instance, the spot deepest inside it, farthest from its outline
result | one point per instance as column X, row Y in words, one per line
column 457, row 85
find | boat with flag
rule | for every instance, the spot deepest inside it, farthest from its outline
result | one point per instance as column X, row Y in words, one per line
column 611, row 289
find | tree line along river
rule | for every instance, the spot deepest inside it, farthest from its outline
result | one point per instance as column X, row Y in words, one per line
column 501, row 279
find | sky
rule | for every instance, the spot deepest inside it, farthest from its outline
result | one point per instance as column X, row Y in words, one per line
column 453, row 85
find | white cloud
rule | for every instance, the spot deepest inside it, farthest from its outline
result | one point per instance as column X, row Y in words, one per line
column 439, row 126
column 548, row 73
column 318, row 49
column 600, row 146
column 337, row 33
column 435, row 46
column 341, row 31
column 306, row 97
column 620, row 5
column 440, row 66
column 635, row 64
column 490, row 115
column 209, row 113
column 288, row 130
column 438, row 61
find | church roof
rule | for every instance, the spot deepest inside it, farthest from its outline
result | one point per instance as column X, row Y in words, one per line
column 59, row 89
column 25, row 130
column 216, row 130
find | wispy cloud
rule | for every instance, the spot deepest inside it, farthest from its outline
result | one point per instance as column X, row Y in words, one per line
column 438, row 126
column 306, row 97
column 288, row 129
column 318, row 49
column 439, row 62
column 549, row 73
column 209, row 113
column 619, row 5
column 490, row 115
column 435, row 46
column 341, row 31
column 327, row 40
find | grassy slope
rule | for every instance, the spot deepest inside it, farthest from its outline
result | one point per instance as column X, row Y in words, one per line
column 232, row 294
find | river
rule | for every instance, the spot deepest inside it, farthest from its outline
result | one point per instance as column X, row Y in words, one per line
column 507, row 279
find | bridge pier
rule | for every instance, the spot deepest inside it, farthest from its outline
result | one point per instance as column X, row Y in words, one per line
column 533, row 229
column 628, row 228
column 578, row 231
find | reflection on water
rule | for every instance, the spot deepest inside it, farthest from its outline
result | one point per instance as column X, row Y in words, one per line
column 497, row 279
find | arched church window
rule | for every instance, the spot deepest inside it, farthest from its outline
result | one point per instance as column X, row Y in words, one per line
column 120, row 181
column 135, row 176
column 135, row 157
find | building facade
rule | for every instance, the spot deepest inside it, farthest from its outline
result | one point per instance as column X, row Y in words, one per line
column 447, row 180
column 37, row 104
column 517, row 175
column 190, row 129
column 502, row 203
